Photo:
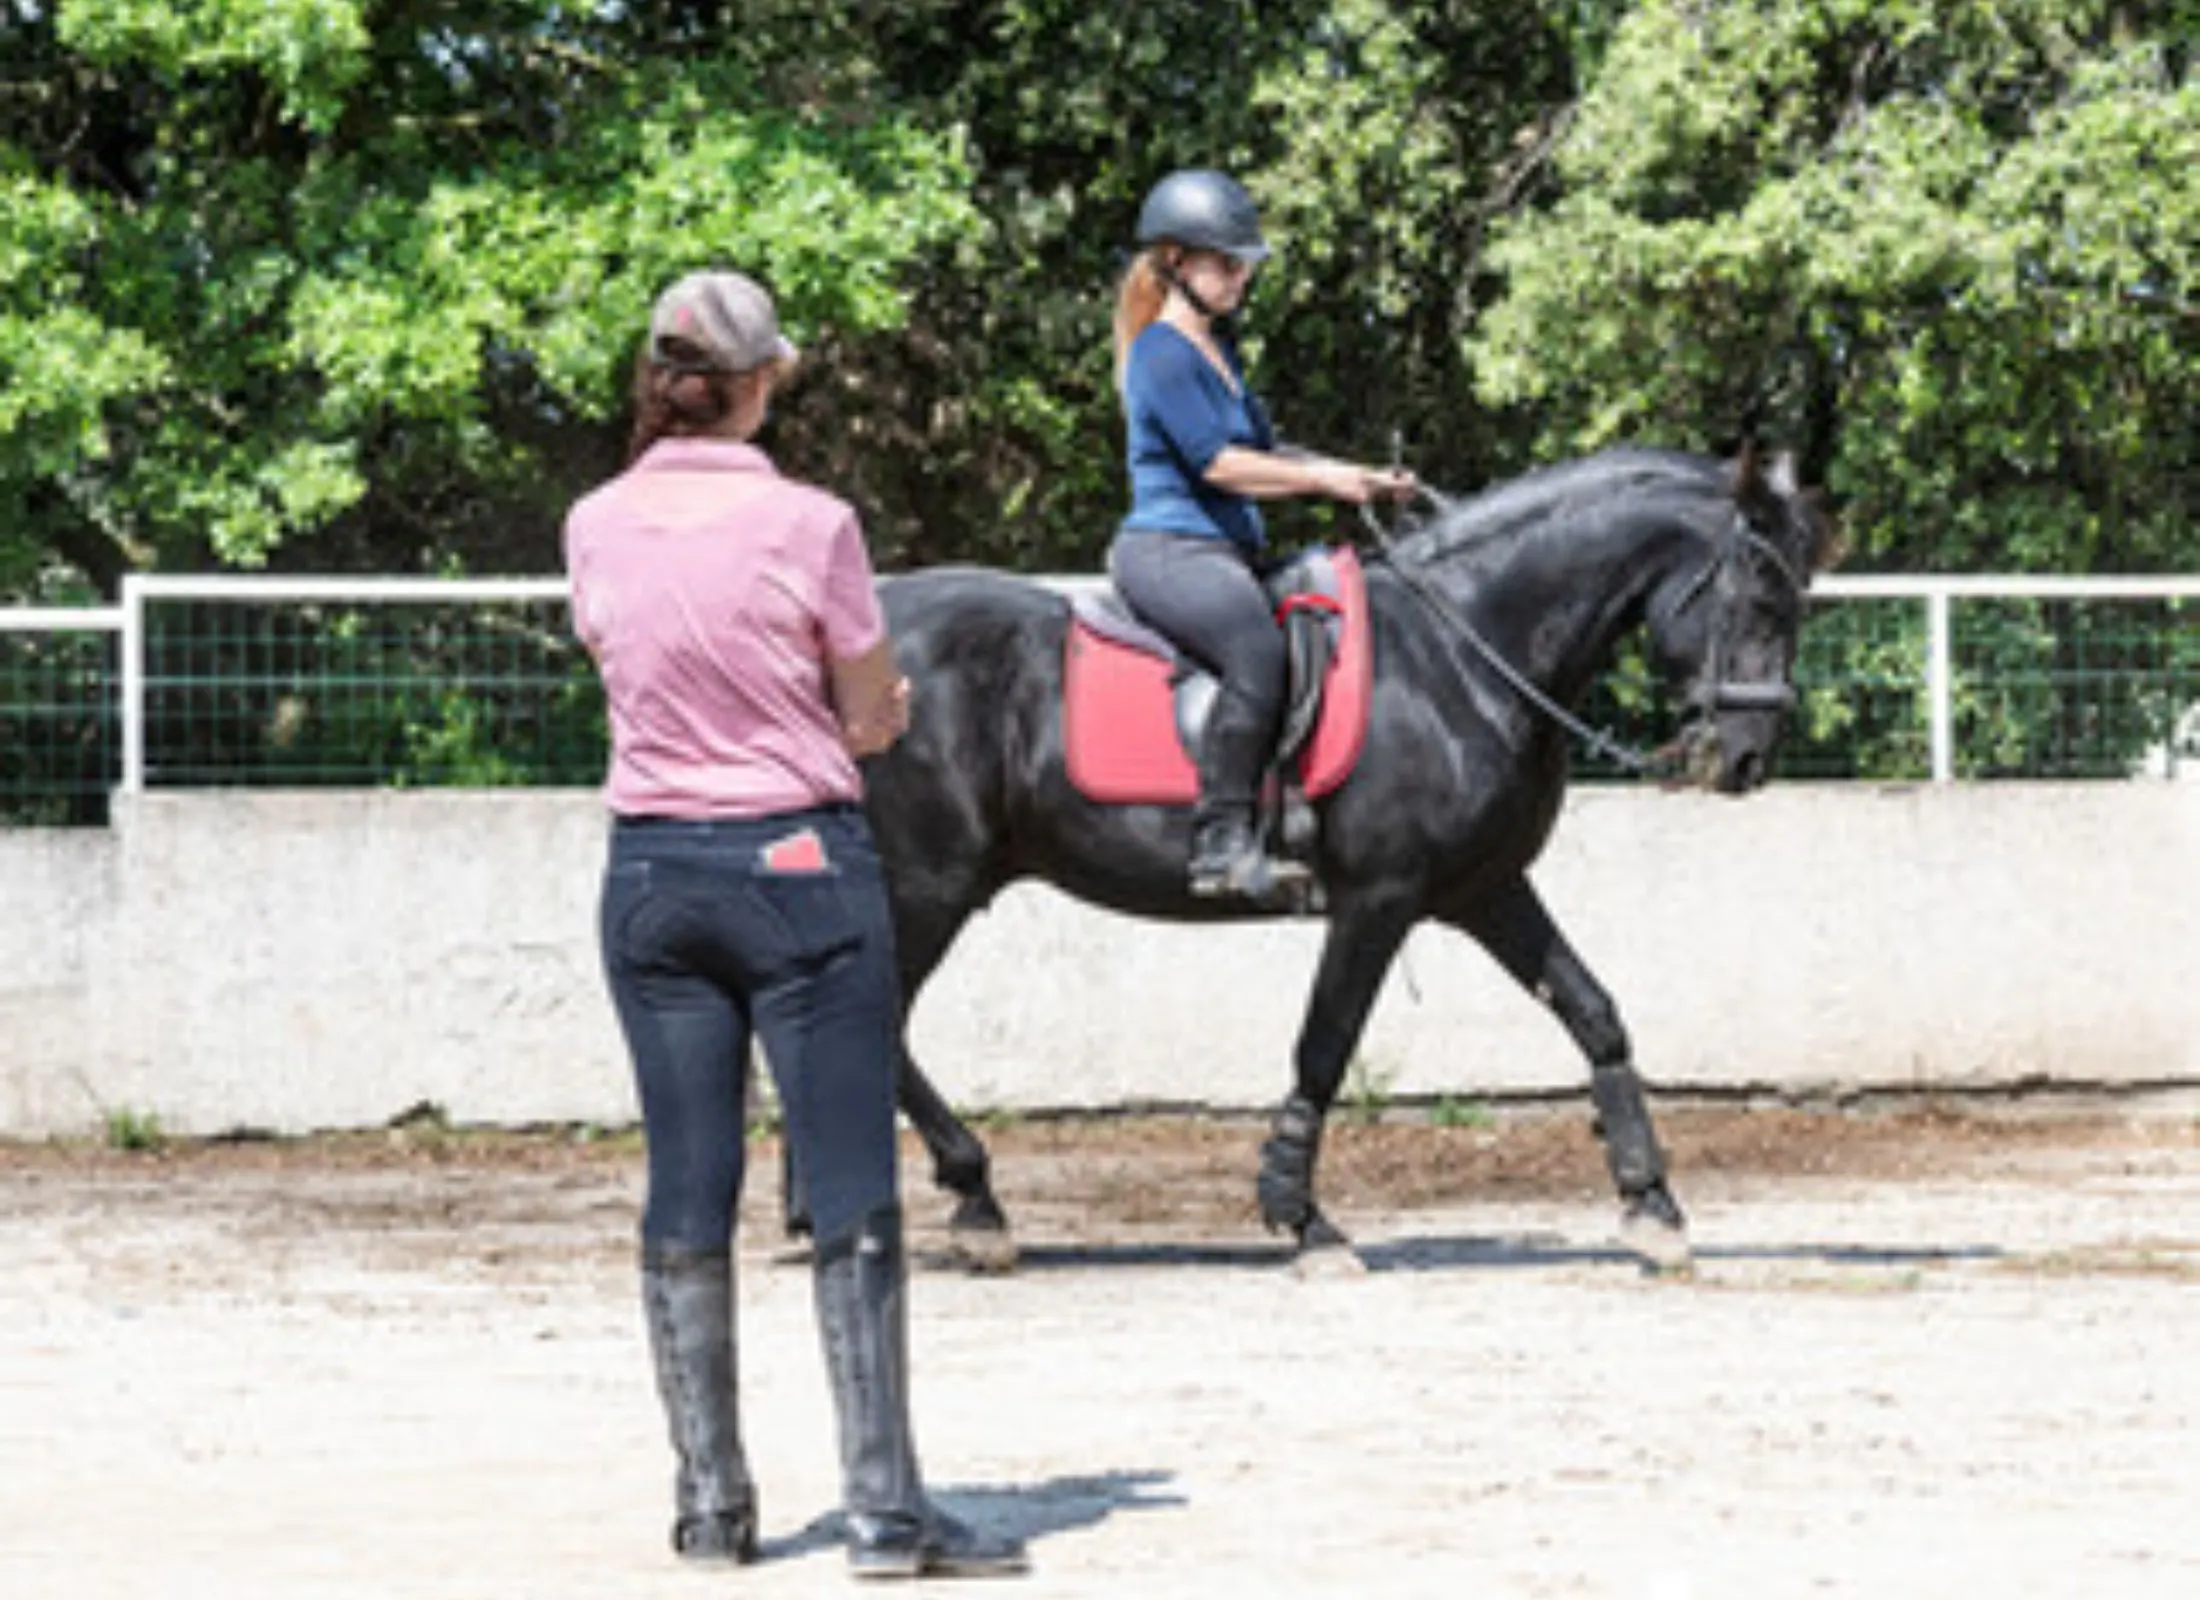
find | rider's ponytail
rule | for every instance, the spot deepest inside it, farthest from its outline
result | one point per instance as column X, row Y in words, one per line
column 675, row 402
column 1138, row 303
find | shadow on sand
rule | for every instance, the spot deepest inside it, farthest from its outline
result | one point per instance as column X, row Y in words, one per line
column 1467, row 1253
column 1030, row 1512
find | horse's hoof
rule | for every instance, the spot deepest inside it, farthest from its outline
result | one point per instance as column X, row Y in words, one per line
column 985, row 1253
column 978, row 1233
column 793, row 1251
column 1324, row 1250
column 1658, row 1238
column 795, row 1248
column 1329, row 1261
column 1317, row 1232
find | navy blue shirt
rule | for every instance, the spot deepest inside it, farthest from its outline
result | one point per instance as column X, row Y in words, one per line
column 1179, row 414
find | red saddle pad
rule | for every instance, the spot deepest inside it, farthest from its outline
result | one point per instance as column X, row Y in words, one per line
column 1119, row 716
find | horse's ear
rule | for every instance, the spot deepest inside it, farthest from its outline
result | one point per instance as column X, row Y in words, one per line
column 1770, row 495
column 1782, row 475
column 1828, row 544
column 1752, row 493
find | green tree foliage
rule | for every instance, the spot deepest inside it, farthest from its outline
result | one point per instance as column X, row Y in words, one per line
column 329, row 284
column 988, row 428
column 1950, row 246
column 357, row 285
column 1380, row 139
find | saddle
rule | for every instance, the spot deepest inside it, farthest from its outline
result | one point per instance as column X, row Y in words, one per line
column 1133, row 706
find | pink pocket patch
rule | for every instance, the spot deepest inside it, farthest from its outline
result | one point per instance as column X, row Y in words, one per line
column 798, row 852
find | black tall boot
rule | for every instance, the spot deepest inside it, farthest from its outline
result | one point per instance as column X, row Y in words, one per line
column 687, row 1298
column 894, row 1531
column 1227, row 858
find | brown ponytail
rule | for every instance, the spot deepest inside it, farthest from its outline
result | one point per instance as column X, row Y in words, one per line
column 1138, row 303
column 684, row 402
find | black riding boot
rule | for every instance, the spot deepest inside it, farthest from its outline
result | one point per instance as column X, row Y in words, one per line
column 1227, row 858
column 687, row 1297
column 894, row 1531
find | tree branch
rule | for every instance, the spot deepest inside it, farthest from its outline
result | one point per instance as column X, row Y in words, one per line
column 1532, row 152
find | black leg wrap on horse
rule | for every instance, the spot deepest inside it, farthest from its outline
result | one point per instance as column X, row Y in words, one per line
column 1286, row 1185
column 964, row 1173
column 794, row 1204
column 1623, row 1122
column 960, row 1163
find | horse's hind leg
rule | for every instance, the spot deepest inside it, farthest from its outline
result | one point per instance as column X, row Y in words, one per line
column 1519, row 933
column 1362, row 938
column 960, row 1163
column 961, row 1166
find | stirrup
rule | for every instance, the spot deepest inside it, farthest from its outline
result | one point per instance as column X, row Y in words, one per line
column 1251, row 874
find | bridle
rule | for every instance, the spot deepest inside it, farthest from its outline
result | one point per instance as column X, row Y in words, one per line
column 1710, row 693
column 1713, row 691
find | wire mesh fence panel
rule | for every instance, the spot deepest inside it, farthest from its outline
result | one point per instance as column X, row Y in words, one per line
column 2098, row 686
column 1860, row 681
column 398, row 693
column 60, row 723
column 1861, row 686
column 480, row 683
column 2066, row 688
column 1630, row 706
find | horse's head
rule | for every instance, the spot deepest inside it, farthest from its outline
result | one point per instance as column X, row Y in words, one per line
column 1724, row 629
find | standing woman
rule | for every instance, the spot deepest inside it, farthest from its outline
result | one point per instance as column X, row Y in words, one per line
column 745, row 665
column 1201, row 452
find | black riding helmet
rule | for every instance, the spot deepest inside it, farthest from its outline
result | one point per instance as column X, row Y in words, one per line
column 1203, row 210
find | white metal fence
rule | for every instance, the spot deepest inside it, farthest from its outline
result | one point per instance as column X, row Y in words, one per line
column 1944, row 659
column 1939, row 596
column 140, row 594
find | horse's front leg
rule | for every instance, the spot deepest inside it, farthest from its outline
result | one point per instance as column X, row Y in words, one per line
column 1518, row 932
column 1363, row 936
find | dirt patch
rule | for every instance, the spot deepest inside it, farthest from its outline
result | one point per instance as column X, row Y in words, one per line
column 499, row 1194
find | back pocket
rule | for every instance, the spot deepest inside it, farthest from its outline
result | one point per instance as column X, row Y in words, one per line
column 803, row 920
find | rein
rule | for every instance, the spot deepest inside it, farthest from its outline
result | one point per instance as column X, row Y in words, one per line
column 1711, row 692
column 1598, row 741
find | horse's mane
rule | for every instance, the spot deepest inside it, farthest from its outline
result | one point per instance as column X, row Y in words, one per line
column 1561, row 490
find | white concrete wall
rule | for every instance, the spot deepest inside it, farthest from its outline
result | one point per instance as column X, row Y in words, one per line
column 299, row 961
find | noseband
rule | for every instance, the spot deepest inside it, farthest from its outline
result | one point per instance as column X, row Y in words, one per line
column 1712, row 691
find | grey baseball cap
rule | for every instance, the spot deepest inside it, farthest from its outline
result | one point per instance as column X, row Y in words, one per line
column 726, row 316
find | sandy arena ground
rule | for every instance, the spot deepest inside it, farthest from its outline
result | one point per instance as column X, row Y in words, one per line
column 1926, row 1352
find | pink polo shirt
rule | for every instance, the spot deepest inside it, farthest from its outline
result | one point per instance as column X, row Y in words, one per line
column 712, row 593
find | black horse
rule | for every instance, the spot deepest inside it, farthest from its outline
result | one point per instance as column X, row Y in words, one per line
column 1488, row 619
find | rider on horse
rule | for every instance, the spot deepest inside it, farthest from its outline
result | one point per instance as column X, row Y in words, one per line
column 1201, row 450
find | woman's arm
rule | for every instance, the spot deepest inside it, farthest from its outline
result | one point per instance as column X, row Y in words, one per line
column 871, row 698
column 1272, row 475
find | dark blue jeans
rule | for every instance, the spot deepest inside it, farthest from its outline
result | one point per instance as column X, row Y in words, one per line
column 708, row 946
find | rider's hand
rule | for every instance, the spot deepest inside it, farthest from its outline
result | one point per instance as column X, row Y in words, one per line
column 1392, row 483
column 1356, row 485
column 1341, row 480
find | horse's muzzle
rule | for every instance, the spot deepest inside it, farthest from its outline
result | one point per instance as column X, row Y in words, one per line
column 1705, row 758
